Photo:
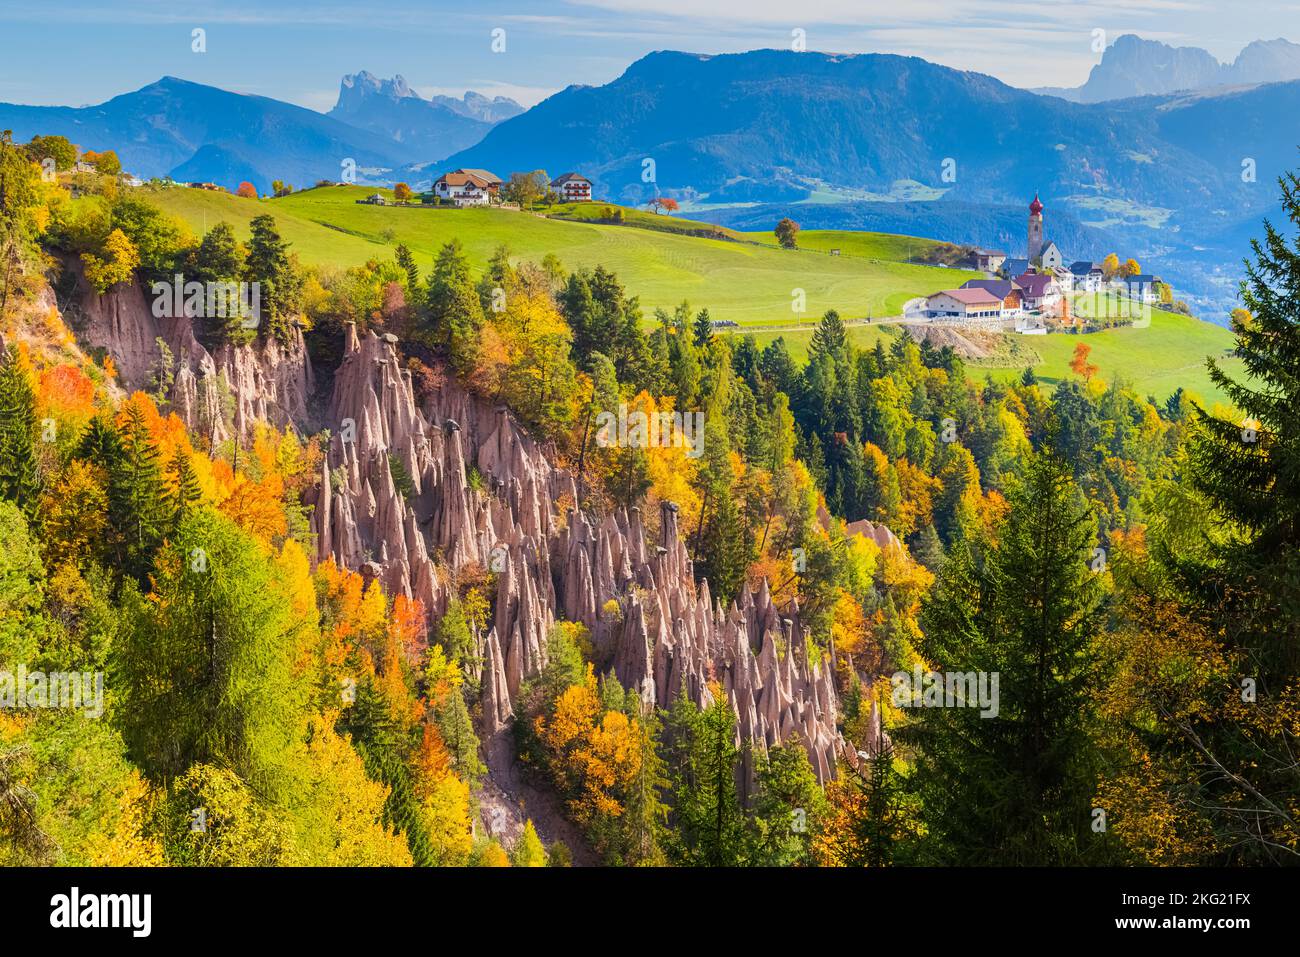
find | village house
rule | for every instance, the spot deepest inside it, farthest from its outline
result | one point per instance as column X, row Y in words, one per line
column 1143, row 288
column 988, row 261
column 374, row 199
column 1088, row 276
column 1064, row 278
column 1040, row 292
column 467, row 187
column 964, row 305
column 1013, row 268
column 572, row 187
column 1004, row 289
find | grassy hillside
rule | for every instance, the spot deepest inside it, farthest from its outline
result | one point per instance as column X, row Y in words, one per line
column 1155, row 360
column 883, row 246
column 596, row 213
column 747, row 283
column 742, row 282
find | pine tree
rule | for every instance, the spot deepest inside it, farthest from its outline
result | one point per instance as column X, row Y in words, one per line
column 206, row 664
column 269, row 263
column 462, row 321
column 528, row 850
column 727, row 546
column 927, row 549
column 1026, row 611
column 137, row 503
column 645, row 815
column 830, row 338
column 450, row 277
column 1250, row 467
column 703, row 329
column 414, row 288
column 787, row 807
column 458, row 733
column 703, row 763
column 186, row 491
column 878, row 827
column 1247, row 589
column 19, row 479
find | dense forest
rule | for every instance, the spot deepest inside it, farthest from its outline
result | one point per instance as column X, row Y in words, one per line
column 1128, row 568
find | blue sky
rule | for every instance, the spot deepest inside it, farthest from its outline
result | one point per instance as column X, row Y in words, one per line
column 74, row 53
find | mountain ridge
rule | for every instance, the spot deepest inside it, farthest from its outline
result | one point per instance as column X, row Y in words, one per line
column 1134, row 66
column 427, row 129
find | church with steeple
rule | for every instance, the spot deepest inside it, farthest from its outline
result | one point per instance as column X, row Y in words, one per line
column 1040, row 252
column 1035, row 229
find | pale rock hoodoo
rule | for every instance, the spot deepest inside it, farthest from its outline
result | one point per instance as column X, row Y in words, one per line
column 214, row 393
column 666, row 634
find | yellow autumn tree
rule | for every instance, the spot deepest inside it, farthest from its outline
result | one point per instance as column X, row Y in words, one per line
column 127, row 843
column 337, row 809
column 448, row 821
column 116, row 264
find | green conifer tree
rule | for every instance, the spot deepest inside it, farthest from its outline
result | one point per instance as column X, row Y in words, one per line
column 19, row 478
column 1027, row 613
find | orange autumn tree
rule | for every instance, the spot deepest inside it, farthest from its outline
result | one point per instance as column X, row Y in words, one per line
column 65, row 393
column 1079, row 362
column 352, row 618
column 594, row 754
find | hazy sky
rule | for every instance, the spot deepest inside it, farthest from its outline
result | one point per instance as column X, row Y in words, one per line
column 74, row 53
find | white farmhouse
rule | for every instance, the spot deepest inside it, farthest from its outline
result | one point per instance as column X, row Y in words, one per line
column 964, row 305
column 467, row 187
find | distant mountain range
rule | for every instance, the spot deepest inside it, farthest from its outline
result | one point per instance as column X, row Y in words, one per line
column 1169, row 177
column 425, row 129
column 894, row 142
column 194, row 132
column 1132, row 66
column 785, row 126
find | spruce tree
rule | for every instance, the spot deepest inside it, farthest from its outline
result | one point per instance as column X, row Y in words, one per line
column 269, row 263
column 406, row 262
column 19, row 479
column 1247, row 589
column 703, row 329
column 787, row 807
column 186, row 492
column 1249, row 467
column 703, row 763
column 457, row 731
column 384, row 750
column 1015, row 788
column 450, row 276
column 137, row 498
column 727, row 546
column 645, row 815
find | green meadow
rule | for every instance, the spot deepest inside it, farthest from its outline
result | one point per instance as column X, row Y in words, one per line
column 1155, row 360
column 745, row 282
column 887, row 247
column 749, row 281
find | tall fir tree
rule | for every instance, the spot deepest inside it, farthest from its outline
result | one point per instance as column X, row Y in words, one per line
column 137, row 497
column 186, row 491
column 703, row 763
column 1024, row 610
column 19, row 475
column 268, row 262
column 1249, row 467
